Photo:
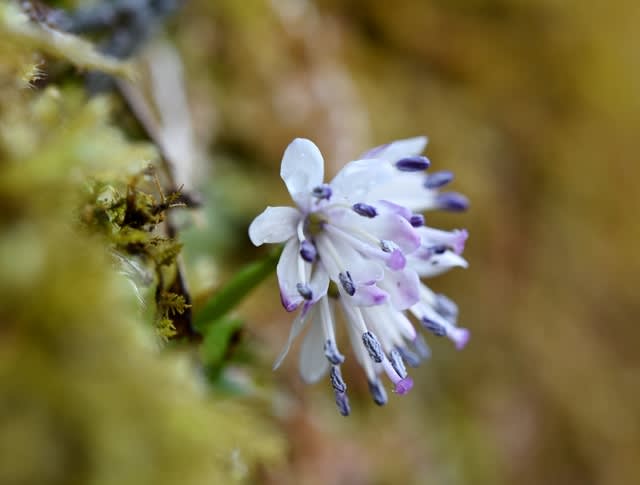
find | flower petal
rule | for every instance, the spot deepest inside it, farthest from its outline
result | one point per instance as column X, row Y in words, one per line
column 274, row 225
column 357, row 178
column 403, row 288
column 394, row 151
column 437, row 264
column 302, row 170
column 288, row 275
column 296, row 328
column 312, row 361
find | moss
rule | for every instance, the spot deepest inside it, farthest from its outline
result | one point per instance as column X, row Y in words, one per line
column 86, row 396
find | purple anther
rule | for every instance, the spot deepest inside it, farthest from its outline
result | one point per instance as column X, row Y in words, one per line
column 332, row 354
column 436, row 180
column 434, row 327
column 342, row 401
column 365, row 210
column 438, row 249
column 397, row 363
column 308, row 251
column 417, row 220
column 322, row 191
column 305, row 291
column 373, row 346
column 413, row 164
column 446, row 307
column 410, row 357
column 347, row 283
column 337, row 382
column 421, row 347
column 378, row 393
column 452, row 201
column 403, row 386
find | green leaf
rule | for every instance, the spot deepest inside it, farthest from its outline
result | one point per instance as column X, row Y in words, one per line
column 234, row 291
column 216, row 341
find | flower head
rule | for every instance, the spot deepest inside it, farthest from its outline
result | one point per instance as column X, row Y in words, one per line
column 360, row 242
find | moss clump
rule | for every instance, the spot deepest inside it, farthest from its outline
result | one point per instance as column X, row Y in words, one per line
column 85, row 395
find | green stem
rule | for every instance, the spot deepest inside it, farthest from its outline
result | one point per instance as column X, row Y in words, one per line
column 235, row 290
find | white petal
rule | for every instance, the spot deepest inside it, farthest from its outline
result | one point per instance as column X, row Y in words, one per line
column 296, row 328
column 394, row 151
column 313, row 363
column 363, row 271
column 403, row 288
column 302, row 169
column 392, row 227
column 319, row 283
column 274, row 225
column 437, row 264
column 288, row 275
column 356, row 179
column 406, row 189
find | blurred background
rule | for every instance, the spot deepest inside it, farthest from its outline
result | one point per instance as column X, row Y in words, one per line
column 535, row 105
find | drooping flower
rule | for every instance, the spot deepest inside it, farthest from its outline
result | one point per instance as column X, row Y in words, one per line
column 360, row 240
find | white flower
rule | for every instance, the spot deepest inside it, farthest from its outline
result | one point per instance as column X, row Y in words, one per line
column 358, row 241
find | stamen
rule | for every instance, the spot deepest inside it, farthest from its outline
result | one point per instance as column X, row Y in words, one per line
column 409, row 356
column 397, row 363
column 342, row 401
column 421, row 347
column 378, row 392
column 452, row 201
column 403, row 386
column 413, row 164
column 305, row 291
column 337, row 382
column 438, row 249
column 446, row 307
column 322, row 191
column 365, row 210
column 417, row 220
column 373, row 347
column 308, row 251
column 434, row 327
column 436, row 180
column 347, row 283
column 332, row 354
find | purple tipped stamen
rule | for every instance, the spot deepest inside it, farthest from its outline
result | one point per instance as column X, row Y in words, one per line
column 434, row 327
column 452, row 201
column 332, row 354
column 373, row 347
column 397, row 363
column 347, row 283
column 403, row 386
column 436, row 180
column 410, row 357
column 365, row 210
column 446, row 307
column 378, row 393
column 413, row 164
column 308, row 251
column 322, row 191
column 421, row 347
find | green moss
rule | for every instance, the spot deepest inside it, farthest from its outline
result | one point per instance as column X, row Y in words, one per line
column 86, row 396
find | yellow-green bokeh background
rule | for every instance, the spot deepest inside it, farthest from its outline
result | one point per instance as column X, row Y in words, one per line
column 535, row 104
